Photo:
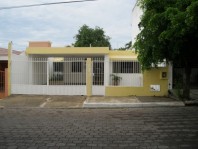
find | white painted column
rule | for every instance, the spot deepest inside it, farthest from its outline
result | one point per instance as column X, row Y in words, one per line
column 47, row 71
column 106, row 70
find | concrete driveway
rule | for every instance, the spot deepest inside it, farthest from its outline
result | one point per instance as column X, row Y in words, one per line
column 42, row 101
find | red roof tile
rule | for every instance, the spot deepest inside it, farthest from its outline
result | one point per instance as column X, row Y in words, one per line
column 4, row 52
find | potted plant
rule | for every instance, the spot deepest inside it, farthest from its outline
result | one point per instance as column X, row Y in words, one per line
column 115, row 79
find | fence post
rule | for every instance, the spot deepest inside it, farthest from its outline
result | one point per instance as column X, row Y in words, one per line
column 9, row 67
column 106, row 71
column 89, row 77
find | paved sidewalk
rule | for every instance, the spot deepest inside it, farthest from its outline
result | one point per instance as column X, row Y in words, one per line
column 39, row 101
column 131, row 101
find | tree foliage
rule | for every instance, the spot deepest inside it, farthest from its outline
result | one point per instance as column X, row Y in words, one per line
column 91, row 37
column 169, row 30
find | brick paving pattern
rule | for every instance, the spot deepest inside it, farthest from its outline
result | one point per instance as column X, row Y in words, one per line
column 149, row 128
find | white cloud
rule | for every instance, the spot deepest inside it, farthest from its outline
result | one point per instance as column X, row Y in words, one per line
column 60, row 23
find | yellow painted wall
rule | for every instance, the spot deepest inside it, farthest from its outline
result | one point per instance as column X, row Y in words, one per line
column 123, row 55
column 151, row 77
column 67, row 50
column 89, row 77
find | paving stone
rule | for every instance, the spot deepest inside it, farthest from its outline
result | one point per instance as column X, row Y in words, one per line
column 149, row 128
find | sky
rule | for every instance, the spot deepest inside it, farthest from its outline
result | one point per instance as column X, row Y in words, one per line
column 60, row 23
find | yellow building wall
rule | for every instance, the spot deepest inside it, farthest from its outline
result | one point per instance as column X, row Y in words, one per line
column 67, row 50
column 89, row 77
column 150, row 77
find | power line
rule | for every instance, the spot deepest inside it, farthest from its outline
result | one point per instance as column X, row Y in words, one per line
column 35, row 5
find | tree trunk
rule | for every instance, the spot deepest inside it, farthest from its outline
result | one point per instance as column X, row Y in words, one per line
column 186, row 82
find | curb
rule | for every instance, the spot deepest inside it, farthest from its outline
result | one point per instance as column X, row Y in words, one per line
column 133, row 105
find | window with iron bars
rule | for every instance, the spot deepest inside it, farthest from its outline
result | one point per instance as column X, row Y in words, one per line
column 58, row 66
column 77, row 66
column 126, row 67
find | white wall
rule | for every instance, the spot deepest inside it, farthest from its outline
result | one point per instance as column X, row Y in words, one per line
column 136, row 15
column 3, row 58
column 19, row 67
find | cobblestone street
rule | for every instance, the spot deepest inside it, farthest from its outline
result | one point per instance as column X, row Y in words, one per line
column 149, row 128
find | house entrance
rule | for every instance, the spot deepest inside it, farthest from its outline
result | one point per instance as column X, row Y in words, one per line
column 98, row 87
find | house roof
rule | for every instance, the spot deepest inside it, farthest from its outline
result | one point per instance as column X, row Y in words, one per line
column 4, row 52
column 45, row 49
column 67, row 50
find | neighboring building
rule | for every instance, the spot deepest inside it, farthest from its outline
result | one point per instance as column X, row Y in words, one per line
column 84, row 71
column 4, row 57
column 3, row 66
column 136, row 15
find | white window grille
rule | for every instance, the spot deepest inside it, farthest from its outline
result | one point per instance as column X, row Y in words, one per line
column 125, row 73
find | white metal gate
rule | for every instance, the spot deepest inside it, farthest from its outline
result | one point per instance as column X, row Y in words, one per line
column 49, row 76
column 98, row 86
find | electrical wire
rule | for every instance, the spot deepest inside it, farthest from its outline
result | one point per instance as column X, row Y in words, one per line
column 43, row 4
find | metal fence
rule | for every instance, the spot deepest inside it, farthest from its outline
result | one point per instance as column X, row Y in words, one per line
column 50, row 71
column 67, row 76
column 54, row 76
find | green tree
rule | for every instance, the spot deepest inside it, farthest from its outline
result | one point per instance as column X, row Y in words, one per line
column 91, row 37
column 169, row 30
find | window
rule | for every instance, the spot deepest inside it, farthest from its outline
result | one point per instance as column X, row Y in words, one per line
column 126, row 67
column 58, row 66
column 77, row 66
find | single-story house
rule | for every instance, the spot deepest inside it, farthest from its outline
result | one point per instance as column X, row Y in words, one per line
column 87, row 71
